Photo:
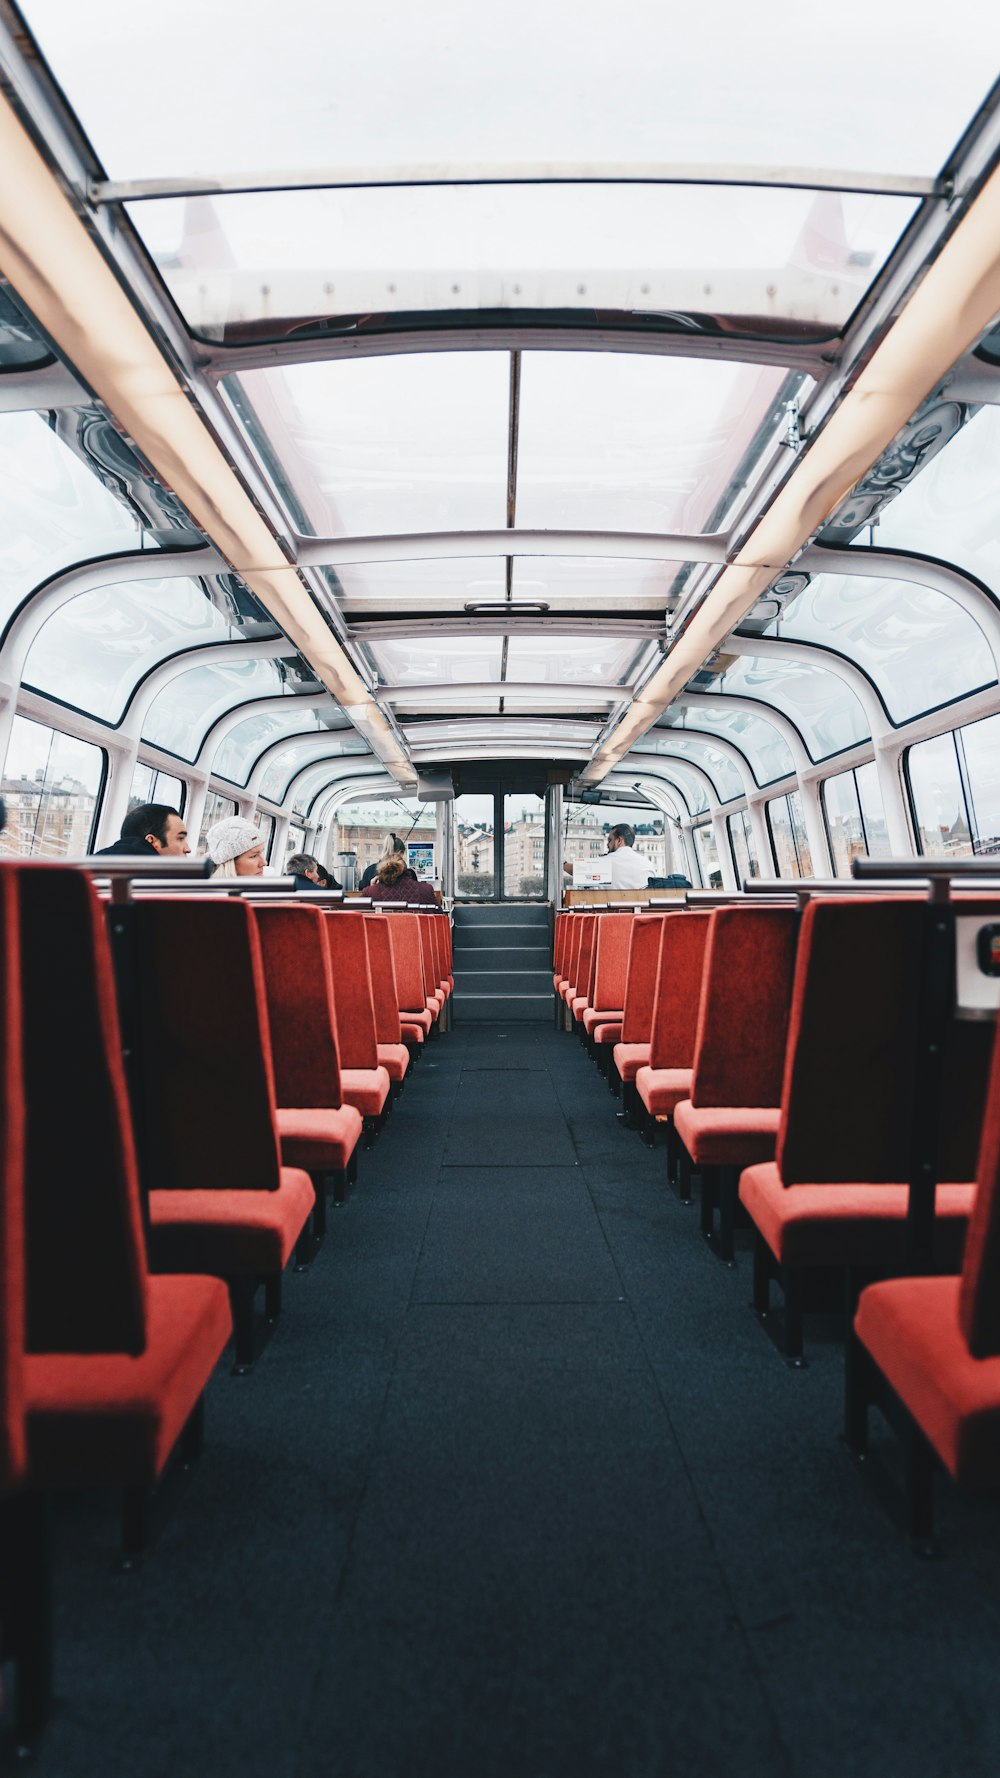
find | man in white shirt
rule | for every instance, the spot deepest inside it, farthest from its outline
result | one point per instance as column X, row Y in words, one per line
column 629, row 869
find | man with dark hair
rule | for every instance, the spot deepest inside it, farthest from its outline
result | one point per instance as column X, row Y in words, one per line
column 629, row 869
column 152, row 829
column 308, row 872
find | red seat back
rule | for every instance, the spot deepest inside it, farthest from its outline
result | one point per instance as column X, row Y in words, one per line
column 674, row 1028
column 614, row 932
column 85, row 1252
column 383, row 977
column 13, row 1449
column 979, row 1298
column 347, row 940
column 563, row 924
column 404, row 935
column 585, row 958
column 746, row 995
column 431, row 979
column 208, row 1104
column 300, row 1006
column 640, row 981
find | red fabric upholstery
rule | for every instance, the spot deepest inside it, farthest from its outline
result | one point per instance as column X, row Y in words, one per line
column 404, row 936
column 13, row 1442
column 395, row 1059
column 347, row 939
column 630, row 1057
column 608, row 1033
column 383, row 980
column 585, row 965
column 230, row 1233
column 745, row 1000
column 912, row 1327
column 111, row 1419
column 640, row 983
column 205, row 1056
column 560, row 934
column 300, row 1004
column 846, row 1224
column 614, row 936
column 433, row 995
column 321, row 1141
column 411, row 1032
column 677, row 996
column 727, row 1135
column 661, row 1088
column 365, row 1088
column 572, row 957
column 979, row 1306
column 83, row 1232
column 594, row 1016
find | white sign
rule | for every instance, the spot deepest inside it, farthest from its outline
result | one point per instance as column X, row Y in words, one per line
column 420, row 858
column 592, row 873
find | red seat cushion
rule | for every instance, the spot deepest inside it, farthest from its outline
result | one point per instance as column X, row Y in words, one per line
column 593, row 1017
column 415, row 1016
column 660, row 1089
column 101, row 1419
column 578, row 1005
column 839, row 1225
column 317, row 1138
column 608, row 1033
column 911, row 1328
column 365, row 1088
column 630, row 1057
column 230, row 1233
column 394, row 1058
column 410, row 1031
column 727, row 1135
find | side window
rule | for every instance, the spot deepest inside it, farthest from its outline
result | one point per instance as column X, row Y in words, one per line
column 786, row 821
column 216, row 809
column 152, row 786
column 708, row 856
column 52, row 787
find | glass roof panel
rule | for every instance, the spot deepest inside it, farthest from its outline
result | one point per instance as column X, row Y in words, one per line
column 756, row 738
column 499, row 730
column 674, row 771
column 723, row 773
column 563, row 583
column 95, row 649
column 409, row 442
column 181, row 715
column 21, row 345
column 599, row 660
column 824, row 709
column 312, row 92
column 282, row 769
column 625, row 441
column 53, row 511
column 921, row 649
column 437, row 660
column 331, row 771
column 292, row 256
column 244, row 744
column 950, row 509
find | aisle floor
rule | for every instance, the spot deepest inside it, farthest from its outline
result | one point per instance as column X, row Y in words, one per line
column 520, row 1490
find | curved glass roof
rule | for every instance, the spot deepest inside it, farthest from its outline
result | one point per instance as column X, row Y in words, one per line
column 419, row 441
column 950, row 509
column 920, row 648
column 276, row 780
column 673, row 771
column 757, row 739
column 822, row 706
column 95, row 649
column 180, row 716
column 245, row 743
column 55, row 511
column 542, row 93
column 561, row 583
column 722, row 771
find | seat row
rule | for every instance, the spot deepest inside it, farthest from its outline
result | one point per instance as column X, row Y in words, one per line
column 816, row 1078
column 185, row 1083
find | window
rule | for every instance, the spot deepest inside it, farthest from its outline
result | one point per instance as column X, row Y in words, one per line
column 152, row 786
column 742, row 846
column 295, row 840
column 708, row 856
column 949, row 509
column 265, row 824
column 954, row 783
column 855, row 817
column 826, row 712
column 788, row 836
column 180, row 716
column 751, row 731
column 52, row 788
column 216, row 809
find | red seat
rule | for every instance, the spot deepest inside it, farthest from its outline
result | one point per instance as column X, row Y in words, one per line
column 666, row 1078
column 364, row 1083
column 390, row 1049
column 610, row 973
column 835, row 1194
column 404, row 936
column 206, row 1042
column 631, row 1052
column 312, row 1117
column 933, row 1344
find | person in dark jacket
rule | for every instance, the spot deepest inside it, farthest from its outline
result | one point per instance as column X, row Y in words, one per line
column 308, row 872
column 152, row 829
column 393, row 845
column 394, row 881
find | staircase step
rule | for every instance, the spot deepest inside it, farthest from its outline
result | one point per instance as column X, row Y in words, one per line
column 515, row 956
column 498, row 1008
column 513, row 981
column 502, row 913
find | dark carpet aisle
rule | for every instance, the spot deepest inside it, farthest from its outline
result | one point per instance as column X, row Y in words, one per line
column 519, row 1490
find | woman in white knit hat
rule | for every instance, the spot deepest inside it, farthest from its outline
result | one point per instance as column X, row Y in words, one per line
column 236, row 847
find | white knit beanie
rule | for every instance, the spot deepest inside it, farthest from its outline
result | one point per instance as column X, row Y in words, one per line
column 231, row 838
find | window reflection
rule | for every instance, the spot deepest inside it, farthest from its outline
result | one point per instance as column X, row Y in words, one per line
column 51, row 786
column 789, row 844
column 149, row 785
column 216, row 809
column 708, row 856
column 741, row 842
column 855, row 817
column 950, row 509
column 954, row 784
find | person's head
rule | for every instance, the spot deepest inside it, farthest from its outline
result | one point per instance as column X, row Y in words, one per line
column 391, row 869
column 236, row 848
column 621, row 835
column 160, row 826
column 393, row 847
column 303, row 864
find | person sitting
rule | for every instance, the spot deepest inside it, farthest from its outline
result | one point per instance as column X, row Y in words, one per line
column 150, row 830
column 236, row 848
column 389, row 850
column 308, row 872
column 629, row 869
column 394, row 881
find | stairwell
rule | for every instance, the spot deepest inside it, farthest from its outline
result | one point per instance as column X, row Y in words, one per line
column 502, row 961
